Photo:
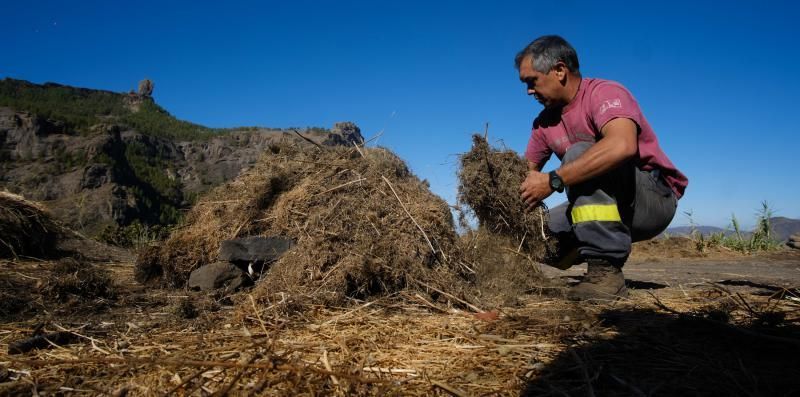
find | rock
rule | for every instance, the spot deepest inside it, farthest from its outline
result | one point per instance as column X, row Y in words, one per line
column 344, row 134
column 795, row 237
column 256, row 249
column 94, row 176
column 218, row 275
column 793, row 244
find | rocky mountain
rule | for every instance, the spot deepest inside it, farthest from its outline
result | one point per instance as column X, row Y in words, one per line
column 99, row 159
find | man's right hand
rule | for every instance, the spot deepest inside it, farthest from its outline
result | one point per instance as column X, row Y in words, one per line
column 535, row 188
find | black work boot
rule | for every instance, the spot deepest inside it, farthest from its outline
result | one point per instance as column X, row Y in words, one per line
column 603, row 282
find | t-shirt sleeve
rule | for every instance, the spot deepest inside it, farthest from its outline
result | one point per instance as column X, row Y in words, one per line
column 537, row 151
column 610, row 100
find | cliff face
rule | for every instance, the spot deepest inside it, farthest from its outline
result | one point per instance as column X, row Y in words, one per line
column 108, row 172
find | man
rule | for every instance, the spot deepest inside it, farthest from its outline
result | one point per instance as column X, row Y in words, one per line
column 620, row 185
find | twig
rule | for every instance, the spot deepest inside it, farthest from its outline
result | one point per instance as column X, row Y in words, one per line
column 341, row 186
column 258, row 316
column 541, row 223
column 359, row 150
column 374, row 137
column 391, row 371
column 307, row 140
column 519, row 248
column 93, row 340
column 327, row 365
column 465, row 303
column 225, row 390
column 184, row 382
column 450, row 389
column 426, row 303
column 409, row 214
column 339, row 317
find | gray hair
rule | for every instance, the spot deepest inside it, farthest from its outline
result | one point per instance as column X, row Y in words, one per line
column 547, row 51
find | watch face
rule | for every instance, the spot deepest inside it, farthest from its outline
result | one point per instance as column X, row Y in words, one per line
column 555, row 182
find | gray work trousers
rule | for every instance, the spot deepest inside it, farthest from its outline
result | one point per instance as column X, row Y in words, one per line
column 605, row 215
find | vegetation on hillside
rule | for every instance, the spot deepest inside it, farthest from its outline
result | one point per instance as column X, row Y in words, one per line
column 79, row 109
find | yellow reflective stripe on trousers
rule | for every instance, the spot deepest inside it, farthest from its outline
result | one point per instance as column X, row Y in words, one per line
column 596, row 212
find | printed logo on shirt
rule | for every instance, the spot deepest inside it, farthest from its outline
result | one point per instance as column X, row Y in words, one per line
column 611, row 103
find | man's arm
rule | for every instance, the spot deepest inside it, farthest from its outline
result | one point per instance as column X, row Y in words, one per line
column 619, row 143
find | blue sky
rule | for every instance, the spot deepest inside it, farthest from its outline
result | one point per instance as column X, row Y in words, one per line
column 717, row 83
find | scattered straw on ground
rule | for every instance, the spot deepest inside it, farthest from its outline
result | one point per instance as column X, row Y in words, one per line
column 702, row 340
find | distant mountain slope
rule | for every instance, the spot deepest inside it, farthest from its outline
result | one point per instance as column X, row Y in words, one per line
column 100, row 159
column 781, row 227
column 687, row 230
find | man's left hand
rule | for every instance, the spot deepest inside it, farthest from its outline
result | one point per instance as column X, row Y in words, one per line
column 535, row 188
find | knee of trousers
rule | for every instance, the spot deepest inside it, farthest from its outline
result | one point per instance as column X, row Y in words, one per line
column 600, row 231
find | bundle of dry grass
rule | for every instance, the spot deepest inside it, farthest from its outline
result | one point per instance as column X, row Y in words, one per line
column 26, row 229
column 362, row 223
column 489, row 181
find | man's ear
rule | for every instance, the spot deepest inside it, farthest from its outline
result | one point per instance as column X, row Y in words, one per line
column 561, row 72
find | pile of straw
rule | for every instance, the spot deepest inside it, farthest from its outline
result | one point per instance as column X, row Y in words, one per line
column 363, row 224
column 26, row 228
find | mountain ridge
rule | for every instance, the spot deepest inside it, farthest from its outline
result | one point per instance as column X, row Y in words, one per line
column 99, row 159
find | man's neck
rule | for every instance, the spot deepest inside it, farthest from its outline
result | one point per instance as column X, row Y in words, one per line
column 571, row 89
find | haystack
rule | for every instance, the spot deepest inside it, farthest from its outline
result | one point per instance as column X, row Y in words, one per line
column 26, row 228
column 362, row 223
column 489, row 181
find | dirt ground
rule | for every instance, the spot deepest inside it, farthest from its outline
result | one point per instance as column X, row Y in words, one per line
column 720, row 325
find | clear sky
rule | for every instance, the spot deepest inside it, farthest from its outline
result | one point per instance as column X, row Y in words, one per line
column 716, row 80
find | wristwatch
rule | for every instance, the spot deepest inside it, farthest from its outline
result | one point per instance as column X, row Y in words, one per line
column 555, row 182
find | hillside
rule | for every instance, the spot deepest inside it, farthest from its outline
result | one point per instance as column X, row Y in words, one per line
column 781, row 227
column 101, row 160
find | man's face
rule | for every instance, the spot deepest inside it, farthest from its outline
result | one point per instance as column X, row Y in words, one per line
column 545, row 87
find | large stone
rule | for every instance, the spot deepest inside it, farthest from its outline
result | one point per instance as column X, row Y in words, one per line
column 793, row 244
column 218, row 275
column 256, row 250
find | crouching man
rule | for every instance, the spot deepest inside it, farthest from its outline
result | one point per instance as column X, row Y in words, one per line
column 620, row 185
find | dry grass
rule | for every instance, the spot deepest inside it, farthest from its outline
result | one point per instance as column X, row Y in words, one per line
column 26, row 228
column 403, row 344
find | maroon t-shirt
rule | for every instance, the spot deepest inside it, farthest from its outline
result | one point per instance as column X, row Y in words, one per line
column 597, row 103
